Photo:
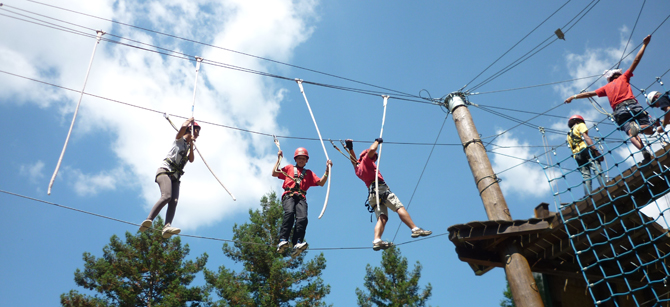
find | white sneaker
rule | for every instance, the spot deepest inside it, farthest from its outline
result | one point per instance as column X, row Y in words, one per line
column 299, row 248
column 145, row 225
column 169, row 231
column 282, row 246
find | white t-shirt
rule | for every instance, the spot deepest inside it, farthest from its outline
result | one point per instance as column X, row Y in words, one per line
column 178, row 155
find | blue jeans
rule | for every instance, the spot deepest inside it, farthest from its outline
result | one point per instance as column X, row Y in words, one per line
column 587, row 164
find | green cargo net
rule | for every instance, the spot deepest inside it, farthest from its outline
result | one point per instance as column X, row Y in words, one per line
column 622, row 252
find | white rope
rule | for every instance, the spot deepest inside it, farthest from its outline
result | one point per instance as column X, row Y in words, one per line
column 203, row 160
column 379, row 154
column 302, row 90
column 195, row 87
column 74, row 117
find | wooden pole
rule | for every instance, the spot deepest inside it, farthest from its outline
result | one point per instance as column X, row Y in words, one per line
column 517, row 269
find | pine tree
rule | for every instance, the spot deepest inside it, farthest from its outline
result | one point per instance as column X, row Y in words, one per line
column 391, row 284
column 268, row 278
column 508, row 300
column 145, row 270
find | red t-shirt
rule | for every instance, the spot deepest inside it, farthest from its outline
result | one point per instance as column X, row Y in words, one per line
column 618, row 90
column 366, row 170
column 310, row 179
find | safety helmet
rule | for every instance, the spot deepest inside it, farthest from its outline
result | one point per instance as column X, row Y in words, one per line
column 609, row 73
column 365, row 152
column 301, row 151
column 650, row 97
column 573, row 118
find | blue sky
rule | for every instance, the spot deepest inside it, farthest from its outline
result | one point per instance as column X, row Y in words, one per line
column 438, row 46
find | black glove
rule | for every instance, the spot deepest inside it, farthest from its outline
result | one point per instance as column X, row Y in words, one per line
column 379, row 140
column 350, row 144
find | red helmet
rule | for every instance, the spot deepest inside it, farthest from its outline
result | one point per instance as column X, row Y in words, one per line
column 301, row 151
column 573, row 118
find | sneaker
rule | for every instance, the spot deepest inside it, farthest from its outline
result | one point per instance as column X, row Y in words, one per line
column 299, row 248
column 282, row 246
column 145, row 225
column 169, row 231
column 634, row 129
column 421, row 233
column 381, row 245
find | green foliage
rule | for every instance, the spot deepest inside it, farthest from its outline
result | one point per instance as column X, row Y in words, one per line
column 391, row 284
column 508, row 300
column 268, row 278
column 145, row 270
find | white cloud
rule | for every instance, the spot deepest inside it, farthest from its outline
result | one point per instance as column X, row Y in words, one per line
column 90, row 185
column 141, row 139
column 33, row 171
column 524, row 180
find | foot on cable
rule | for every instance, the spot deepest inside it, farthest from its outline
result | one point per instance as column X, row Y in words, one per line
column 145, row 225
column 282, row 246
column 418, row 232
column 381, row 245
column 299, row 248
column 169, row 231
column 634, row 129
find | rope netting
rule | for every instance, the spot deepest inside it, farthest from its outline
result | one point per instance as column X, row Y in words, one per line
column 622, row 252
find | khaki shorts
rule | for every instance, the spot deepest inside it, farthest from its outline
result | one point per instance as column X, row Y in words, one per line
column 391, row 201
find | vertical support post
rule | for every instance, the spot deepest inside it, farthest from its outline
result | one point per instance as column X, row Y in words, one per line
column 517, row 269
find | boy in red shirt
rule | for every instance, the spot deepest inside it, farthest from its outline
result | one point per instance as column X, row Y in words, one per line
column 623, row 102
column 366, row 170
column 297, row 179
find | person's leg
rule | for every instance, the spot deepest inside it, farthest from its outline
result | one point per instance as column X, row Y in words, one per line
column 172, row 204
column 379, row 227
column 586, row 175
column 287, row 224
column 300, row 220
column 405, row 218
column 598, row 171
column 165, row 185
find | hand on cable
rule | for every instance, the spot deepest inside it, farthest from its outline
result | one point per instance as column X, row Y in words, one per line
column 280, row 154
column 349, row 143
column 329, row 163
column 379, row 140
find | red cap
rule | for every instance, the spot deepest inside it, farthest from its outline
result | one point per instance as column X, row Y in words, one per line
column 573, row 118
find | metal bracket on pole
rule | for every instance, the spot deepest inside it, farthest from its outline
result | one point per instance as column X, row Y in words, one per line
column 454, row 100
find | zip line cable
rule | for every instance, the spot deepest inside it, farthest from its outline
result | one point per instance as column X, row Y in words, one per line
column 517, row 43
column 527, row 112
column 526, row 56
column 186, row 235
column 495, row 136
column 631, row 34
column 421, row 176
column 531, row 86
column 181, row 55
column 214, row 46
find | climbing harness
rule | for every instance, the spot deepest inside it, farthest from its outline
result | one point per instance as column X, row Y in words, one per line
column 302, row 90
column 203, row 159
column 100, row 33
column 279, row 170
column 297, row 179
column 379, row 154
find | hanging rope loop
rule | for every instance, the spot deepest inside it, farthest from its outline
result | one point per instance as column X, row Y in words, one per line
column 302, row 90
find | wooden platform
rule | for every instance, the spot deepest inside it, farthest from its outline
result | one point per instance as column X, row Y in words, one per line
column 610, row 224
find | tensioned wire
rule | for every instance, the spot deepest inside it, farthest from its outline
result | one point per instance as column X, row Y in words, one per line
column 181, row 55
column 217, row 47
column 194, row 236
column 526, row 56
column 231, row 127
